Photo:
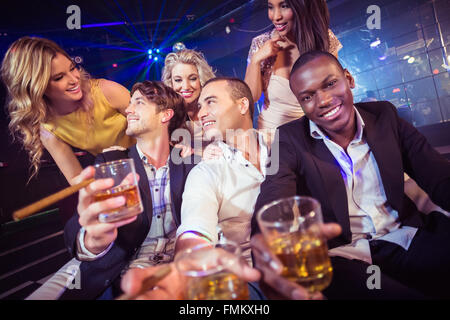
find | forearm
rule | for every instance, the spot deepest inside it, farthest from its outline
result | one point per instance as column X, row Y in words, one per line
column 62, row 154
column 74, row 237
column 84, row 254
column 253, row 78
column 93, row 245
column 70, row 167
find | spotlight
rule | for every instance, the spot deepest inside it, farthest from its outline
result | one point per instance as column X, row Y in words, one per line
column 411, row 60
column 382, row 58
column 114, row 65
column 227, row 29
column 78, row 59
column 150, row 51
column 150, row 57
column 406, row 57
column 157, row 50
column 155, row 59
column 375, row 44
column 448, row 58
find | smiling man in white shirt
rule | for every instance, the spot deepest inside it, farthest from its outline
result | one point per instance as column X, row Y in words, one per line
column 220, row 193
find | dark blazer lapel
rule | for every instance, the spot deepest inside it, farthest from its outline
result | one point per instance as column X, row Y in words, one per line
column 387, row 154
column 143, row 184
column 332, row 185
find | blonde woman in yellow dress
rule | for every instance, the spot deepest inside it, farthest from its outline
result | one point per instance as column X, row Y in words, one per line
column 299, row 26
column 55, row 105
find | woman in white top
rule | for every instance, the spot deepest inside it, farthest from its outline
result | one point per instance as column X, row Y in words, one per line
column 299, row 26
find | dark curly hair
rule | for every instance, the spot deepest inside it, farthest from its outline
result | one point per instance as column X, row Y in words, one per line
column 165, row 98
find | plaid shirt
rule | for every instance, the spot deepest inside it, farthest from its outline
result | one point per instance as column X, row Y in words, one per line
column 159, row 245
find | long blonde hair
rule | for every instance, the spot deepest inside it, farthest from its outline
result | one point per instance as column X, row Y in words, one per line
column 187, row 56
column 26, row 72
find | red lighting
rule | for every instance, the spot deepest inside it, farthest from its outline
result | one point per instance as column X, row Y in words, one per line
column 396, row 90
column 114, row 65
column 232, row 20
column 435, row 71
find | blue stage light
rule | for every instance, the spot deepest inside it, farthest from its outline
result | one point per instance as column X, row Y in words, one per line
column 150, row 51
column 375, row 43
column 97, row 25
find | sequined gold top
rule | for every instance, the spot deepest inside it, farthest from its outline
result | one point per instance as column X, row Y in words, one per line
column 266, row 65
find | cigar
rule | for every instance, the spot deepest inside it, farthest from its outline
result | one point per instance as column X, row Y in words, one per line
column 34, row 207
column 149, row 282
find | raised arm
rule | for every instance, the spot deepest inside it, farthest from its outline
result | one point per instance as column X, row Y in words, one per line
column 253, row 78
column 96, row 236
column 62, row 153
column 258, row 53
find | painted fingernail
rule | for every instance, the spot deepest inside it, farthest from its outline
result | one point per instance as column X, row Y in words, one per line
column 265, row 256
column 275, row 266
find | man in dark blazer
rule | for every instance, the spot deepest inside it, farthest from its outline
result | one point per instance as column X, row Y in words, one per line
column 346, row 155
column 107, row 249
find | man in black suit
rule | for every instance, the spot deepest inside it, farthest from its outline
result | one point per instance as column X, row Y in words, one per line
column 352, row 157
column 107, row 250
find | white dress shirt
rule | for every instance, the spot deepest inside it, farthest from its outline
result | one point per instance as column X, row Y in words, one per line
column 220, row 196
column 371, row 217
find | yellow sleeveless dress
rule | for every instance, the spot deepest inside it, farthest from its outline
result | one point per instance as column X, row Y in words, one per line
column 107, row 128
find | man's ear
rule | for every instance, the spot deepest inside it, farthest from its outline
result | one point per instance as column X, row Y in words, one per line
column 350, row 79
column 244, row 105
column 167, row 115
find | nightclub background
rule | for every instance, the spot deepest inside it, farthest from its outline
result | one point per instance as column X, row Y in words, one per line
column 406, row 61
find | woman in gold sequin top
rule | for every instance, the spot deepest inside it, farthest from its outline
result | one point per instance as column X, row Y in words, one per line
column 299, row 26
